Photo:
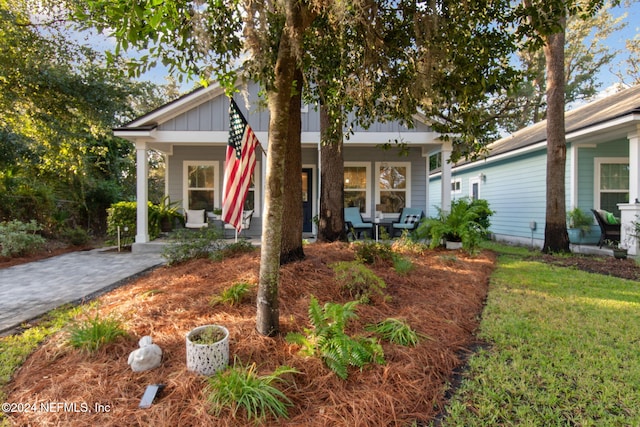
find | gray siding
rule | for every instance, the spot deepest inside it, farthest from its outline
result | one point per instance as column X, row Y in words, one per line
column 213, row 115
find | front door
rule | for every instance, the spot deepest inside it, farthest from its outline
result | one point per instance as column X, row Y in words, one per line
column 307, row 206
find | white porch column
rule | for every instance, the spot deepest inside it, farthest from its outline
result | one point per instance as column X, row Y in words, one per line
column 446, row 177
column 142, row 193
column 629, row 212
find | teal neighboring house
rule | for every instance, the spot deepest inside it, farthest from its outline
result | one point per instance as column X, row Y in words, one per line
column 602, row 172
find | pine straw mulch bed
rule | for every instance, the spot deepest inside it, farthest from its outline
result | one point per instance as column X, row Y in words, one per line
column 442, row 297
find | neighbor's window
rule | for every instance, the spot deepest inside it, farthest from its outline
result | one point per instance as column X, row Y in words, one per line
column 612, row 183
column 393, row 186
column 356, row 186
column 435, row 161
column 200, row 182
column 456, row 185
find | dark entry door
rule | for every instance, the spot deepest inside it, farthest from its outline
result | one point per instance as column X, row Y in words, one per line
column 307, row 208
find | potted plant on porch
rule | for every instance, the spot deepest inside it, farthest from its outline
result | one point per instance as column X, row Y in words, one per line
column 464, row 226
column 578, row 225
column 207, row 349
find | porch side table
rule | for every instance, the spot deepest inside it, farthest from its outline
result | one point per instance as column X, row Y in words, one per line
column 377, row 223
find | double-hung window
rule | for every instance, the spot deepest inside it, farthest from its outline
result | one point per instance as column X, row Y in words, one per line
column 200, row 185
column 356, row 186
column 612, row 183
column 393, row 189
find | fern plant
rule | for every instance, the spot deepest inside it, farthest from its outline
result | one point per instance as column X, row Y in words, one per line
column 241, row 388
column 328, row 340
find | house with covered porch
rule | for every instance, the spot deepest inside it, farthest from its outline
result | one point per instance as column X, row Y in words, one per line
column 192, row 133
column 602, row 172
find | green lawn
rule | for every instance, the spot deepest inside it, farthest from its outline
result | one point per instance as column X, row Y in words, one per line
column 565, row 350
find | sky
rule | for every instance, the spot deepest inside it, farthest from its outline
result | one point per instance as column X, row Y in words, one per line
column 617, row 41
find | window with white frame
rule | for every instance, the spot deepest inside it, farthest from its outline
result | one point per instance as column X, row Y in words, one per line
column 393, row 186
column 611, row 183
column 356, row 186
column 456, row 186
column 253, row 194
column 200, row 189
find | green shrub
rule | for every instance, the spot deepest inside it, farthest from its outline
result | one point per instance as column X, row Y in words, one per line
column 357, row 280
column 232, row 295
column 190, row 244
column 370, row 251
column 93, row 333
column 328, row 340
column 75, row 236
column 402, row 265
column 233, row 249
column 124, row 215
column 241, row 388
column 19, row 238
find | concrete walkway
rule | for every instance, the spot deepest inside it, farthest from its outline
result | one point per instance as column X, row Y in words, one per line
column 30, row 290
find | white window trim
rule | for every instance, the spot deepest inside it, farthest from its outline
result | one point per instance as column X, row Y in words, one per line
column 597, row 163
column 474, row 180
column 367, row 166
column 185, row 181
column 408, row 184
column 456, row 181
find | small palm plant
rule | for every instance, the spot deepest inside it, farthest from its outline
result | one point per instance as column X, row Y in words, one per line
column 241, row 388
column 328, row 340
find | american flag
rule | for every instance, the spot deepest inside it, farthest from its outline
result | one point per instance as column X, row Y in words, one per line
column 239, row 166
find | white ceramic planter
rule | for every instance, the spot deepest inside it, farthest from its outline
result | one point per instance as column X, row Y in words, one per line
column 453, row 245
column 207, row 359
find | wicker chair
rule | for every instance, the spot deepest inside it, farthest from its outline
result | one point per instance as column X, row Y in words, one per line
column 608, row 231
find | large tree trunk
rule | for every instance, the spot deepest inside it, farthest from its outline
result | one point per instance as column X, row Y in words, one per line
column 291, row 249
column 556, row 238
column 279, row 101
column 267, row 317
column 331, row 218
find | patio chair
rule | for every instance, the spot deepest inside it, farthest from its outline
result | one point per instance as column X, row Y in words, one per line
column 409, row 220
column 245, row 224
column 195, row 218
column 355, row 224
column 609, row 226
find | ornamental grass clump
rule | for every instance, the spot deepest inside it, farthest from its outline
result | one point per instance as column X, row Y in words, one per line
column 240, row 388
column 93, row 333
column 396, row 331
column 233, row 295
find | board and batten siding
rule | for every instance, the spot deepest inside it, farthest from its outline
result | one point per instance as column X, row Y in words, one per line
column 213, row 115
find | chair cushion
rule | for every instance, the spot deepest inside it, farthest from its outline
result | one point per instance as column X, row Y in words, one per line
column 410, row 219
column 610, row 218
column 195, row 216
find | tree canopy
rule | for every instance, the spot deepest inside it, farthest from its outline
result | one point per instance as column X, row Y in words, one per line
column 59, row 103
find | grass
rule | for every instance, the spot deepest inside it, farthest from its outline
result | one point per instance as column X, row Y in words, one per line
column 564, row 346
column 14, row 349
